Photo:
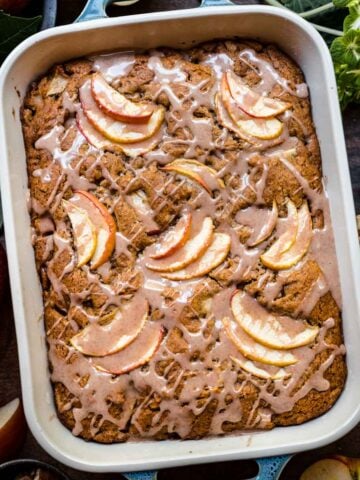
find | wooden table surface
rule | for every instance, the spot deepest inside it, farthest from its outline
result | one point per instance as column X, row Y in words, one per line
column 9, row 371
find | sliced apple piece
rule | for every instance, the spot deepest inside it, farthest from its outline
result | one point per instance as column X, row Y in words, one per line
column 250, row 367
column 113, row 103
column 255, row 351
column 104, row 224
column 84, row 231
column 278, row 332
column 12, row 429
column 251, row 102
column 284, row 260
column 287, row 238
column 265, row 129
column 267, row 228
column 138, row 353
column 199, row 241
column 139, row 201
column 327, row 469
column 174, row 238
column 213, row 256
column 99, row 340
column 204, row 175
column 97, row 140
column 115, row 130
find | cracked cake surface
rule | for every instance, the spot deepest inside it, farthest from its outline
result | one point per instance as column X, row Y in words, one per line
column 183, row 242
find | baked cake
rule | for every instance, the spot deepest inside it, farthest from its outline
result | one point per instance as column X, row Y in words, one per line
column 183, row 242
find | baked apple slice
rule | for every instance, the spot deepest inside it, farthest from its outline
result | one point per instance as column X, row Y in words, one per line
column 97, row 140
column 202, row 174
column 267, row 228
column 286, row 239
column 108, row 337
column 115, row 130
column 104, row 225
column 213, row 256
column 84, row 231
column 256, row 351
column 293, row 255
column 264, row 129
column 174, row 238
column 251, row 102
column 116, row 105
column 198, row 242
column 278, row 332
column 138, row 353
column 250, row 367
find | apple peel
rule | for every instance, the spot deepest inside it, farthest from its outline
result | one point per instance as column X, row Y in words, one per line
column 138, row 353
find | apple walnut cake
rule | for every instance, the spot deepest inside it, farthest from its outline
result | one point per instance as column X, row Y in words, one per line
column 183, row 242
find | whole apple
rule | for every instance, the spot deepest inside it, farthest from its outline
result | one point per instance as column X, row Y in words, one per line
column 14, row 7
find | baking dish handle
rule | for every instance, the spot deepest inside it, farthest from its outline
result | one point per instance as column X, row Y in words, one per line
column 97, row 8
column 269, row 469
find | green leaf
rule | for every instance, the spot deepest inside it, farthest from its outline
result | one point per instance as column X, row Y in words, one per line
column 14, row 30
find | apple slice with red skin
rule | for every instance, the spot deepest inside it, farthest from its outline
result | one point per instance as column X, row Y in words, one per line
column 251, row 102
column 99, row 340
column 97, row 140
column 250, row 367
column 12, row 429
column 327, row 469
column 255, row 351
column 113, row 103
column 287, row 238
column 213, row 257
column 198, row 242
column 293, row 255
column 282, row 333
column 138, row 353
column 202, row 174
column 84, row 231
column 264, row 129
column 266, row 229
column 115, row 130
column 104, row 224
column 174, row 238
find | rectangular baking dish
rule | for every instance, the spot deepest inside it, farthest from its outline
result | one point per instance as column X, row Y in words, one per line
column 177, row 29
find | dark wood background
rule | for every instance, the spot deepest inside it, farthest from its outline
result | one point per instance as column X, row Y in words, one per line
column 9, row 371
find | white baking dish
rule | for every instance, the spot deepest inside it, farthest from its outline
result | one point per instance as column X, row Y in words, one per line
column 178, row 29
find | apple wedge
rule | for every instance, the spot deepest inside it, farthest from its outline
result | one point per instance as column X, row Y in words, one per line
column 99, row 340
column 115, row 130
column 97, row 140
column 113, row 103
column 251, row 102
column 85, row 236
column 198, row 242
column 227, row 122
column 138, row 353
column 264, row 129
column 202, row 174
column 104, row 225
column 250, row 367
column 174, row 238
column 282, row 333
column 284, row 260
column 327, row 469
column 287, row 238
column 267, row 228
column 255, row 351
column 213, row 256
column 12, row 429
